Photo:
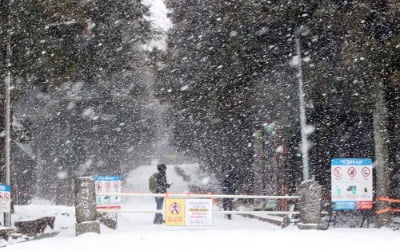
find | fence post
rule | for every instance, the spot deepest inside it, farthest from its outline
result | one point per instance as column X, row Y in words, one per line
column 85, row 206
column 310, row 205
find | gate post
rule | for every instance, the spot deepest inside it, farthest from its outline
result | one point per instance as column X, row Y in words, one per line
column 310, row 205
column 85, row 206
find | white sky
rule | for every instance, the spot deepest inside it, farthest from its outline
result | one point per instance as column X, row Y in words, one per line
column 159, row 14
column 159, row 20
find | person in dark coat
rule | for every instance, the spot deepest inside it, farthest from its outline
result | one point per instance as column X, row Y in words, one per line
column 229, row 185
column 161, row 188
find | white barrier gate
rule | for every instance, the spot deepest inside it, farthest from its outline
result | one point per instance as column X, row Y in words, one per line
column 210, row 196
column 309, row 203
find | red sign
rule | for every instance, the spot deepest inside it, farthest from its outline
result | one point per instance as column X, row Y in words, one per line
column 175, row 208
column 6, row 196
column 337, row 171
column 365, row 171
column 352, row 171
column 364, row 205
column 109, row 207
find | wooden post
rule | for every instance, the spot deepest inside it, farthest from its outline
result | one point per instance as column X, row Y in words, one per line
column 259, row 168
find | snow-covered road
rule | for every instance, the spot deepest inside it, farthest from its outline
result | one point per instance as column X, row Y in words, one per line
column 136, row 231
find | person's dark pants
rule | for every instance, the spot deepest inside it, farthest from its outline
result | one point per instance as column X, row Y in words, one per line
column 158, row 219
column 227, row 205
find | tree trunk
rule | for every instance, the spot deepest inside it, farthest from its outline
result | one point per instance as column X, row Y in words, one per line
column 259, row 167
column 381, row 155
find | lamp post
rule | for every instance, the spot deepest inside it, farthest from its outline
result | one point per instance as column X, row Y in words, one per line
column 7, row 115
column 303, row 121
column 7, row 130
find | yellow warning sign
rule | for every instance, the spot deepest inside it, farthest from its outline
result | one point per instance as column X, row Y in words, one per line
column 174, row 212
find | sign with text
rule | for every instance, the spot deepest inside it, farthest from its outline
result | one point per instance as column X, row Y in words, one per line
column 351, row 183
column 198, row 212
column 5, row 198
column 174, row 212
column 108, row 184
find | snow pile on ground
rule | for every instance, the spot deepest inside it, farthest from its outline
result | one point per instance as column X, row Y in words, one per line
column 65, row 216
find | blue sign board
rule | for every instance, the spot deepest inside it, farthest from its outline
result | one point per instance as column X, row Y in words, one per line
column 344, row 205
column 5, row 188
column 351, row 161
column 108, row 178
column 351, row 184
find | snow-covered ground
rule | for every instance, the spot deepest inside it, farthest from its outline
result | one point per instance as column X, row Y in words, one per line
column 136, row 231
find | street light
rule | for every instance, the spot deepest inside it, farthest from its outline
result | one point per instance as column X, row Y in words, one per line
column 7, row 123
column 303, row 121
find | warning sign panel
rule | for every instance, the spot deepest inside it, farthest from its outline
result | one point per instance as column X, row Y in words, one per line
column 198, row 212
column 188, row 212
column 174, row 212
column 5, row 200
column 351, row 183
column 104, row 185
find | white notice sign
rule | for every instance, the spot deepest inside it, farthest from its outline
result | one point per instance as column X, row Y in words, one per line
column 104, row 185
column 198, row 212
column 351, row 187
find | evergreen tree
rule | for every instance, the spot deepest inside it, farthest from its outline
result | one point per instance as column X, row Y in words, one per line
column 227, row 73
column 226, row 48
column 78, row 79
